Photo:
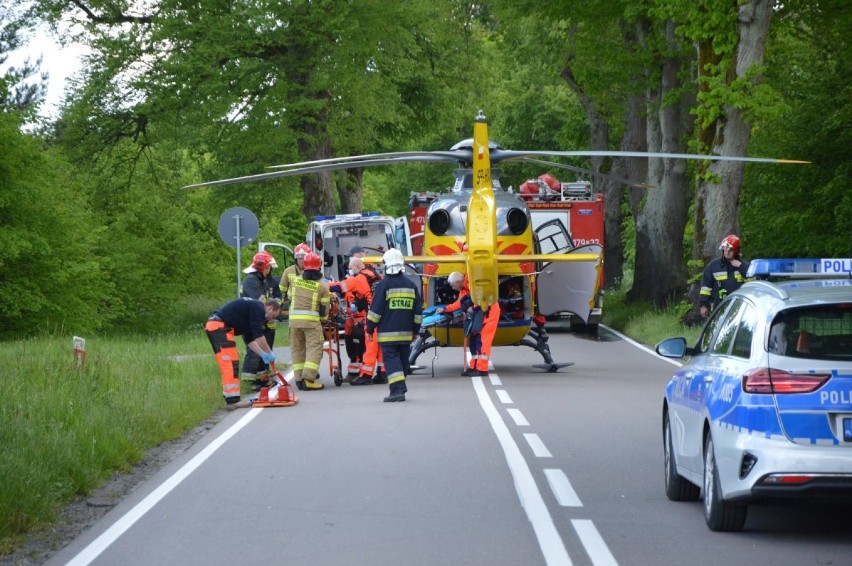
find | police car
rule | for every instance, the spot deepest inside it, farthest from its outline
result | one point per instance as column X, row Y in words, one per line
column 763, row 407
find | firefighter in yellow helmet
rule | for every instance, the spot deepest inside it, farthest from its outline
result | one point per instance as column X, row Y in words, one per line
column 309, row 306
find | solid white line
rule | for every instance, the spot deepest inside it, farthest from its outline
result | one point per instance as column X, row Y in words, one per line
column 642, row 346
column 549, row 540
column 562, row 489
column 518, row 417
column 538, row 447
column 97, row 546
column 504, row 397
column 594, row 544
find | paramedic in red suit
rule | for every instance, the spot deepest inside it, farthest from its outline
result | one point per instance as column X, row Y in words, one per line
column 479, row 340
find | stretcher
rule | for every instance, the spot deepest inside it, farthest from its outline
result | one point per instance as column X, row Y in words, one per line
column 332, row 329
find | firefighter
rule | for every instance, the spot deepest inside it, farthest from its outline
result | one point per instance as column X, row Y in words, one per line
column 309, row 308
column 480, row 325
column 291, row 273
column 241, row 317
column 396, row 313
column 260, row 284
column 358, row 289
column 722, row 276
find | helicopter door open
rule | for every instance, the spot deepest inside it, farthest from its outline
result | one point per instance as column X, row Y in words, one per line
column 569, row 286
column 553, row 237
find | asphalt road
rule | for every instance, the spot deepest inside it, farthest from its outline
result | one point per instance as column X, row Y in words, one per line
column 521, row 468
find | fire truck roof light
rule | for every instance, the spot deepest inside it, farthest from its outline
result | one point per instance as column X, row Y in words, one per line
column 801, row 268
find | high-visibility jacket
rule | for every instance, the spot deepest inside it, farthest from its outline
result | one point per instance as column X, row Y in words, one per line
column 719, row 279
column 290, row 274
column 396, row 310
column 359, row 286
column 310, row 301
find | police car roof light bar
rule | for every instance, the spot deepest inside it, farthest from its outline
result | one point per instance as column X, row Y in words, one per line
column 810, row 268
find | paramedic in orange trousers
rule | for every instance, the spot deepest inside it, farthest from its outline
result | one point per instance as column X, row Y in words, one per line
column 480, row 339
column 241, row 317
column 372, row 363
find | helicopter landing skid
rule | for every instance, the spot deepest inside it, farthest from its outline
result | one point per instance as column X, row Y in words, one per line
column 552, row 368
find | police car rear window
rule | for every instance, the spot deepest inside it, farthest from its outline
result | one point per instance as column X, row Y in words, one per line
column 821, row 332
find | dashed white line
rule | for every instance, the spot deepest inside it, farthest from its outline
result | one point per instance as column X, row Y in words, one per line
column 562, row 489
column 594, row 544
column 495, row 379
column 538, row 447
column 504, row 397
column 549, row 540
column 518, row 417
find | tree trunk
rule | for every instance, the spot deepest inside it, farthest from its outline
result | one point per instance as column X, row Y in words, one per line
column 661, row 218
column 317, row 188
column 613, row 192
column 350, row 191
column 717, row 203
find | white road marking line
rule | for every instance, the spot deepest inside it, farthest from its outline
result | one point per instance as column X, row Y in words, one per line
column 549, row 540
column 504, row 397
column 595, row 546
column 97, row 546
column 495, row 380
column 642, row 347
column 538, row 447
column 562, row 489
column 518, row 417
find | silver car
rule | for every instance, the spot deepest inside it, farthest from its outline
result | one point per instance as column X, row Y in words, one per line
column 763, row 407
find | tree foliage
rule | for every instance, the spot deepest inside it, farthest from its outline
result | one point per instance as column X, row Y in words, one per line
column 97, row 234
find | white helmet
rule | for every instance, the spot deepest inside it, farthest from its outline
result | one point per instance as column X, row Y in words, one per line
column 394, row 262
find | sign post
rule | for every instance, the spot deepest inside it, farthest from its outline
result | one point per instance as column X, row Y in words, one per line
column 238, row 227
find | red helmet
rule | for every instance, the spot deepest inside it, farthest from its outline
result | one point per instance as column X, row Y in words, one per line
column 732, row 242
column 301, row 251
column 262, row 260
column 313, row 261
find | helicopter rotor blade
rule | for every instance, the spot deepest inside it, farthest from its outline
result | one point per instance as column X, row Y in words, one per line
column 431, row 158
column 458, row 155
column 508, row 155
column 591, row 172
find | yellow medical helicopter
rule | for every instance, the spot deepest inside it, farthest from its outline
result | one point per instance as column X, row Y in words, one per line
column 485, row 232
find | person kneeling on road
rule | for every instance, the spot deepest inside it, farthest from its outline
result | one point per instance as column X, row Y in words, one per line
column 241, row 317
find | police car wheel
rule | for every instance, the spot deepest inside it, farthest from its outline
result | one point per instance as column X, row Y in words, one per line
column 719, row 514
column 677, row 488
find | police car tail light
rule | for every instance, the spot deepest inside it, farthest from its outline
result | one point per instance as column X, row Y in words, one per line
column 769, row 380
column 787, row 479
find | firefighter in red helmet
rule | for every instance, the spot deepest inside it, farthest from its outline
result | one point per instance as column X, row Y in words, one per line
column 260, row 284
column 723, row 275
column 309, row 308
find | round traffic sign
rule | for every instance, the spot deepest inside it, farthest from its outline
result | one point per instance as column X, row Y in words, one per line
column 238, row 227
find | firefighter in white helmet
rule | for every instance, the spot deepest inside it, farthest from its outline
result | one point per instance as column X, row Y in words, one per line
column 396, row 311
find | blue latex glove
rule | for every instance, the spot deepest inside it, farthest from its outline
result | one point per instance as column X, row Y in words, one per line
column 268, row 357
column 353, row 308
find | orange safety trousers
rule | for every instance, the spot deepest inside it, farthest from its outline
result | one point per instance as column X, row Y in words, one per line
column 482, row 354
column 222, row 339
column 373, row 359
